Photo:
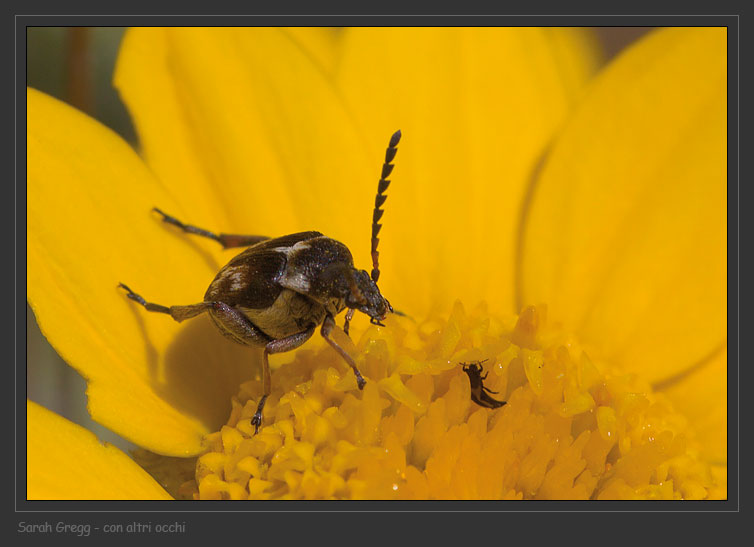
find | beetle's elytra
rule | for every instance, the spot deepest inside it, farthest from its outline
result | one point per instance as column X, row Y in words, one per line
column 479, row 393
column 278, row 291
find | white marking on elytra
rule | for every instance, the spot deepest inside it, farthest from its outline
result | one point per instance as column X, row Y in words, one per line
column 237, row 279
column 235, row 274
column 294, row 280
column 288, row 251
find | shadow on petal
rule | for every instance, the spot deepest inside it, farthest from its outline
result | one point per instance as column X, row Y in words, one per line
column 201, row 371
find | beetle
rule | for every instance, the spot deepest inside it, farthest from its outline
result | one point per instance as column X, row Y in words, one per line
column 479, row 393
column 279, row 290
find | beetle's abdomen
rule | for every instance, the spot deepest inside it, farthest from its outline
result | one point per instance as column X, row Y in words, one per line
column 289, row 314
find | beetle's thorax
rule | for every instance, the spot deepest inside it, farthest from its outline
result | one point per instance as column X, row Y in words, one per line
column 323, row 269
column 353, row 288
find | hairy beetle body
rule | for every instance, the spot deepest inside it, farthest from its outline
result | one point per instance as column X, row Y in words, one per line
column 277, row 284
column 279, row 290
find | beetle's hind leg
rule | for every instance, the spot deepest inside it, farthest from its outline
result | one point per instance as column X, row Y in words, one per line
column 234, row 324
column 226, row 240
column 179, row 313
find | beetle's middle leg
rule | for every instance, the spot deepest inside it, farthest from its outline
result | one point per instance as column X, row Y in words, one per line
column 280, row 345
column 237, row 326
column 226, row 240
column 327, row 326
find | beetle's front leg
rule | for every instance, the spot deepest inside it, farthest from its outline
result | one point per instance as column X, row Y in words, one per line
column 349, row 316
column 327, row 326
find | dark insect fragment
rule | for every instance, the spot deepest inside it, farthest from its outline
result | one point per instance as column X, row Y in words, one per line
column 479, row 393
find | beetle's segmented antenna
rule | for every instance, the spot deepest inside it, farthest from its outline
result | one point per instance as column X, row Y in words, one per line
column 387, row 168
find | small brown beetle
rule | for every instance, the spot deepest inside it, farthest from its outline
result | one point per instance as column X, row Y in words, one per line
column 478, row 391
column 276, row 292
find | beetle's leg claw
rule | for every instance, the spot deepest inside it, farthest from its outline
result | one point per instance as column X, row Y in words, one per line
column 256, row 420
column 359, row 380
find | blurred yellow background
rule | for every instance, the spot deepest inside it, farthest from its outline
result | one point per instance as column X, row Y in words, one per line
column 75, row 65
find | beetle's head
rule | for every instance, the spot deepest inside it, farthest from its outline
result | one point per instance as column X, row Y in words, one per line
column 366, row 297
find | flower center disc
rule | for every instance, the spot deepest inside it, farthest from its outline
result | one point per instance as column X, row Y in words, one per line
column 571, row 428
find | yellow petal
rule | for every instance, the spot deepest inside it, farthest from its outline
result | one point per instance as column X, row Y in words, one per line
column 156, row 383
column 319, row 43
column 626, row 236
column 65, row 462
column 702, row 396
column 477, row 107
column 249, row 118
column 289, row 130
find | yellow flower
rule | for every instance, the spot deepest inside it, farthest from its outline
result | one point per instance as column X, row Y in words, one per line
column 621, row 233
